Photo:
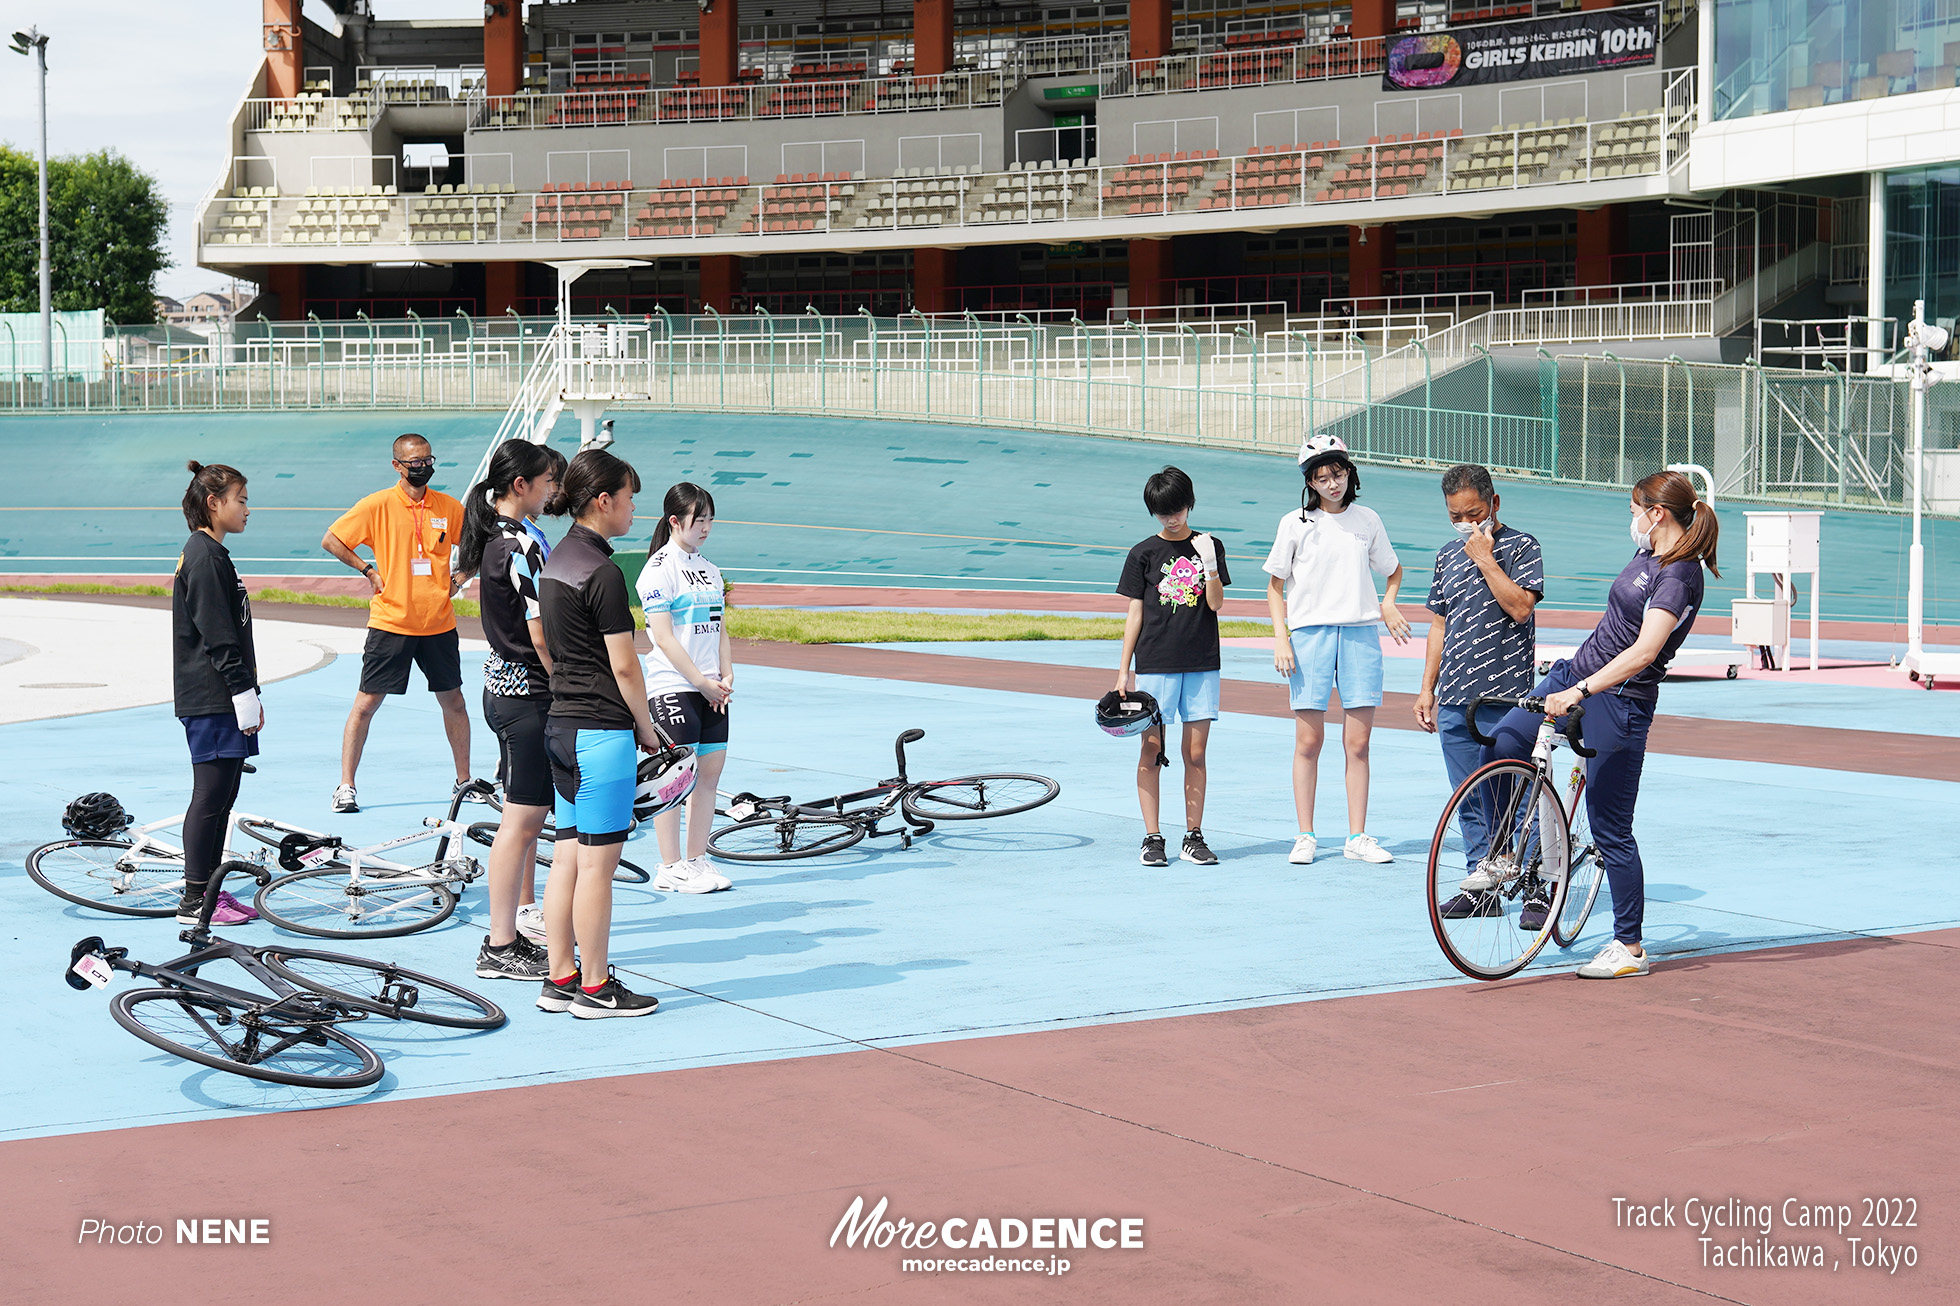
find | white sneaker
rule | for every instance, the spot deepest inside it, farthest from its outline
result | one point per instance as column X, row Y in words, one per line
column 1614, row 961
column 1303, row 850
column 681, row 877
column 343, row 800
column 702, row 866
column 1491, row 873
column 530, row 921
column 1363, row 848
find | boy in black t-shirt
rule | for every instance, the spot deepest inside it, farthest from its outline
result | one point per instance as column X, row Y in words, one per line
column 1175, row 582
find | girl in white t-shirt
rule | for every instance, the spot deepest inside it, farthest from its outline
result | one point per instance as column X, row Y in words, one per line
column 1322, row 597
column 690, row 676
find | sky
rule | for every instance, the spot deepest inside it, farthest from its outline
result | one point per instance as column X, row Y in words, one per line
column 157, row 82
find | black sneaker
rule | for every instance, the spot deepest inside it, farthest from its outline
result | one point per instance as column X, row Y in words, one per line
column 1153, row 851
column 613, row 999
column 520, row 959
column 1195, row 851
column 558, row 996
column 189, row 906
column 1482, row 902
column 1537, row 906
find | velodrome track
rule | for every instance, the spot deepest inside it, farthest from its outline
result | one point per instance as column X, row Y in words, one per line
column 1272, row 1066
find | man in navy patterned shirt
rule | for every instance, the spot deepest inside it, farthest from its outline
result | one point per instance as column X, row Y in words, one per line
column 1483, row 639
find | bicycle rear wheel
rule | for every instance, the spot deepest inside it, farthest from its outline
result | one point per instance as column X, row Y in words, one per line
column 1582, row 878
column 1507, row 809
column 977, row 797
column 257, row 1041
column 104, row 874
column 783, row 838
column 384, row 989
column 328, row 903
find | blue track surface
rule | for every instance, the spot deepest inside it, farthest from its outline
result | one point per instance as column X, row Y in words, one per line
column 1036, row 921
column 840, row 501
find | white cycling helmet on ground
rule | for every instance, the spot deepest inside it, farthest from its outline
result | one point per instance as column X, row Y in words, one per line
column 666, row 778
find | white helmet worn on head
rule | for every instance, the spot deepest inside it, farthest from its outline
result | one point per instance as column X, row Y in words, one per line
column 1316, row 446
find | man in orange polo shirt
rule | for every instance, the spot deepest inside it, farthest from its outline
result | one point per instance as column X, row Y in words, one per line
column 410, row 529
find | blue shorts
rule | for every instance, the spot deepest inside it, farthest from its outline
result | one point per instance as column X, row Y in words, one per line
column 1182, row 695
column 215, row 736
column 594, row 773
column 1326, row 658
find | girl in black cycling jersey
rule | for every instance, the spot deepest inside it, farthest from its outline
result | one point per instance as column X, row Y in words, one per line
column 215, row 676
column 497, row 545
column 1617, row 674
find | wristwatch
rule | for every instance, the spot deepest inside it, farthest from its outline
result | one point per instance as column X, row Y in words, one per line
column 368, row 570
column 1583, row 691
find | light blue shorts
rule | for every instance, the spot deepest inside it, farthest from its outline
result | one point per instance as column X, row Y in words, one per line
column 1183, row 695
column 1326, row 658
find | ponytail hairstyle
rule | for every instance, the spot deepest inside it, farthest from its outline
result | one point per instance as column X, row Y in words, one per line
column 513, row 461
column 555, row 505
column 685, row 500
column 593, row 473
column 207, row 479
column 1676, row 493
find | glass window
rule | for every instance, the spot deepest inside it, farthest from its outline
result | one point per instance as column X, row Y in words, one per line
column 1774, row 55
column 1922, row 242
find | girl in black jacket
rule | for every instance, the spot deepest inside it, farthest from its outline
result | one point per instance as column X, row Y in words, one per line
column 216, row 678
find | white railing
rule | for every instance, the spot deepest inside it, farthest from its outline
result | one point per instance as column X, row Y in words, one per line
column 750, row 101
column 1051, row 56
column 535, row 407
column 423, row 85
column 1318, row 61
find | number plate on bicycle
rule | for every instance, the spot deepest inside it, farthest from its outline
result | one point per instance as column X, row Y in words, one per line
column 93, row 969
column 319, row 856
column 742, row 811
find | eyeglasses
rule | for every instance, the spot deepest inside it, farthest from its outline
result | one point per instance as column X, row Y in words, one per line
column 416, row 464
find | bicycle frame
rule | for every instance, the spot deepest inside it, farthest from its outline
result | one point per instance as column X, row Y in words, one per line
column 147, row 852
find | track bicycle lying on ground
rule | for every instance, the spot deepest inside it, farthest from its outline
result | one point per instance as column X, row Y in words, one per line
column 777, row 829
column 131, row 871
column 335, row 891
column 289, row 1034
column 1540, row 856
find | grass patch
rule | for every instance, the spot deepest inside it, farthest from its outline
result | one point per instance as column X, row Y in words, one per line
column 75, row 587
column 806, row 626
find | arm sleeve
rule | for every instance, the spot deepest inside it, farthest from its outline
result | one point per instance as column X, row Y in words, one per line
column 611, row 613
column 1528, row 567
column 1437, row 602
column 1279, row 559
column 1673, row 590
column 352, row 528
column 209, row 606
column 1131, row 583
column 1381, row 554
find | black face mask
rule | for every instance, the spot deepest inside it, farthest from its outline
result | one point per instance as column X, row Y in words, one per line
column 418, row 476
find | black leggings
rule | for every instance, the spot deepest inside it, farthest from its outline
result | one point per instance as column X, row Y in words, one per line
column 214, row 788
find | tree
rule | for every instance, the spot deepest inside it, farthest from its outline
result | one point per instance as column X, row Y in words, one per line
column 105, row 220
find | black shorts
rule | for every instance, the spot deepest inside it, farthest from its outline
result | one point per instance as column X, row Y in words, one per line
column 687, row 719
column 522, row 765
column 384, row 666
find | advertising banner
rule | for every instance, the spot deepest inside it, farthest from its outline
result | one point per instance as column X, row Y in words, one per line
column 1595, row 41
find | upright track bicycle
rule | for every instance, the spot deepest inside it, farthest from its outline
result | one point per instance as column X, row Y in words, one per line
column 1538, row 851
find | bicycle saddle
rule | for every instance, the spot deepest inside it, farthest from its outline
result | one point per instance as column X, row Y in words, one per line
column 295, row 846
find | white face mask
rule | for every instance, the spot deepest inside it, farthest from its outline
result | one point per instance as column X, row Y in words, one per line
column 1466, row 528
column 1642, row 539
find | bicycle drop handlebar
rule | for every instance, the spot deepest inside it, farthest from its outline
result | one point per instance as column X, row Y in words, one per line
column 1570, row 729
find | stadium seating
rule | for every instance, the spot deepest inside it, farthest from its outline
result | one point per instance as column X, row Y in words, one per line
column 689, row 206
column 584, row 210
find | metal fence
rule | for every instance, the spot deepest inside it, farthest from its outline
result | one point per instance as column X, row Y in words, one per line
column 1776, row 435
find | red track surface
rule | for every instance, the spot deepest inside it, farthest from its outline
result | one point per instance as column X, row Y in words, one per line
column 1456, row 1145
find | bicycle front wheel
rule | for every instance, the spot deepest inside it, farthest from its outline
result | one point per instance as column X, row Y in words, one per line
column 258, row 1042
column 1505, row 824
column 783, row 838
column 384, row 989
column 107, row 875
column 329, row 904
column 1582, row 878
column 977, row 797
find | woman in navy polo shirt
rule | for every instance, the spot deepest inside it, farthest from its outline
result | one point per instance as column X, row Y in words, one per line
column 1617, row 674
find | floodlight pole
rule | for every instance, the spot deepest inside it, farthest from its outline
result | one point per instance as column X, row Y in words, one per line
column 32, row 39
